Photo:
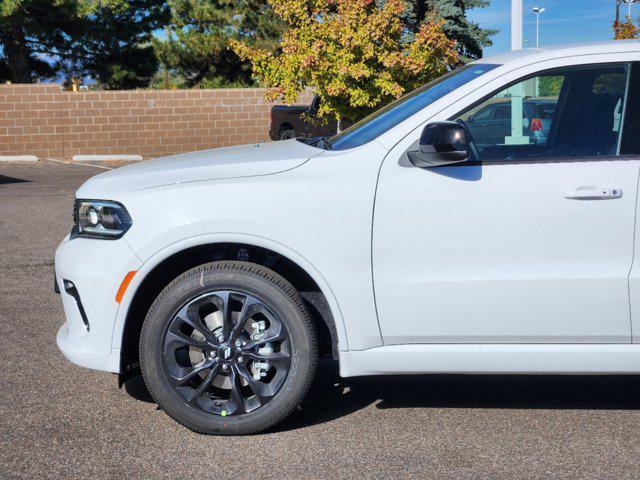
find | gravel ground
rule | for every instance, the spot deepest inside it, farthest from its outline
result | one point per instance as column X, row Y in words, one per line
column 61, row 421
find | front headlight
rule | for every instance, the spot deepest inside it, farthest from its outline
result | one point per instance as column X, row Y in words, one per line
column 100, row 219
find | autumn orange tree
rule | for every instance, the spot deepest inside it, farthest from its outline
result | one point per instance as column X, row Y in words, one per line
column 352, row 53
column 625, row 30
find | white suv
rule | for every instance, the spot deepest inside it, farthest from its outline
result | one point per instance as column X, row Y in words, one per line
column 401, row 245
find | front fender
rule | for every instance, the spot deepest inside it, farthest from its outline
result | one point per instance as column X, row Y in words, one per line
column 207, row 239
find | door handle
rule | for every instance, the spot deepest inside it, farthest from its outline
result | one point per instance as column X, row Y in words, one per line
column 594, row 193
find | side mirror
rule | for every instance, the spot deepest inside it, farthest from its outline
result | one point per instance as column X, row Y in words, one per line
column 441, row 143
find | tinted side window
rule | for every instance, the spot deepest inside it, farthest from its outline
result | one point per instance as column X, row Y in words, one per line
column 631, row 129
column 568, row 112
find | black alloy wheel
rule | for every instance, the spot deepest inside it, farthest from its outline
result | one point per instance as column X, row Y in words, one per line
column 226, row 352
column 228, row 348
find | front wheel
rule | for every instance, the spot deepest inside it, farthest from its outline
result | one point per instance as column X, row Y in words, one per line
column 228, row 348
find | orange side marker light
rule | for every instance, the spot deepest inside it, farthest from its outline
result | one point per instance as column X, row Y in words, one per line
column 124, row 285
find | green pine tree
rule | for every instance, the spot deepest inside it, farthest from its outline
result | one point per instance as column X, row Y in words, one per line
column 109, row 40
column 196, row 45
column 116, row 42
column 470, row 37
column 33, row 33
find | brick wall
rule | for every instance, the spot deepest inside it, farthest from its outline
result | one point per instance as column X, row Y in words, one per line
column 31, row 120
column 41, row 120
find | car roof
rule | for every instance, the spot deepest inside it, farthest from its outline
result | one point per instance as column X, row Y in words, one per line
column 564, row 50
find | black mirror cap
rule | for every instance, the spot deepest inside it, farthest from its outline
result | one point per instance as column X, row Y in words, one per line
column 441, row 143
column 443, row 137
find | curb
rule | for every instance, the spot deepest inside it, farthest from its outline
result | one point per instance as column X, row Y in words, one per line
column 18, row 158
column 106, row 158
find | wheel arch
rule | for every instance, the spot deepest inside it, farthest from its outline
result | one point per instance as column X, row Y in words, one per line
column 285, row 126
column 170, row 262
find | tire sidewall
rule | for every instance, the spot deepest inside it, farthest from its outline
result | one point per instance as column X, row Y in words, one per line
column 287, row 134
column 195, row 283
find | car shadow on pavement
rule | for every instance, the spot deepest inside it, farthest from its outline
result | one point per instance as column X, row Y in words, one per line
column 136, row 388
column 4, row 180
column 332, row 397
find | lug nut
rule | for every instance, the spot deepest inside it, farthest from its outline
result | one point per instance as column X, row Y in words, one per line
column 240, row 359
column 225, row 367
column 220, row 338
column 212, row 355
column 238, row 343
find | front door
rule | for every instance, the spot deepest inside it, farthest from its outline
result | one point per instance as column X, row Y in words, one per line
column 530, row 242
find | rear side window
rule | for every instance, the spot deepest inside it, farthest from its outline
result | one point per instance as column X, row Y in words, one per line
column 485, row 113
column 566, row 112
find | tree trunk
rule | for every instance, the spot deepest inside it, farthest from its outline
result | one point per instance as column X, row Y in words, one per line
column 420, row 13
column 17, row 58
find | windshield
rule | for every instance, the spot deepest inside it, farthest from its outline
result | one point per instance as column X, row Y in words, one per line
column 396, row 112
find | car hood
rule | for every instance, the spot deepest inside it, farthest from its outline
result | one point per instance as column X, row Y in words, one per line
column 230, row 162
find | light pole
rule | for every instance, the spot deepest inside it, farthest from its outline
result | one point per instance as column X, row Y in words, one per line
column 538, row 11
column 629, row 3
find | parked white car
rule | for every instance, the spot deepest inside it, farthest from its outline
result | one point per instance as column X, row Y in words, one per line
column 399, row 246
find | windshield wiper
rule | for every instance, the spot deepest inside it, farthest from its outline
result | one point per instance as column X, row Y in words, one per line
column 318, row 142
column 326, row 144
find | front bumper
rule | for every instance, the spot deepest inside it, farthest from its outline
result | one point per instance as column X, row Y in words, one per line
column 96, row 268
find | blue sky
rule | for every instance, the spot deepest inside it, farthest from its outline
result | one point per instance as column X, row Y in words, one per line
column 563, row 21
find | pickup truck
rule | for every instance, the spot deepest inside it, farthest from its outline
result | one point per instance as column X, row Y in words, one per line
column 296, row 121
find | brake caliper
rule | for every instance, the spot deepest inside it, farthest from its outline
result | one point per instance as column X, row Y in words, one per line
column 260, row 369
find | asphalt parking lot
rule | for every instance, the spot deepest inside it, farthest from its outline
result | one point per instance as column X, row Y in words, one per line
column 61, row 421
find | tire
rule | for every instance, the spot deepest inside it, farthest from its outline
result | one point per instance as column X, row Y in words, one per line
column 287, row 134
column 275, row 310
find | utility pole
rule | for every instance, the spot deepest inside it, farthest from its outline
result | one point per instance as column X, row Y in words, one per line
column 517, row 91
column 516, row 24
